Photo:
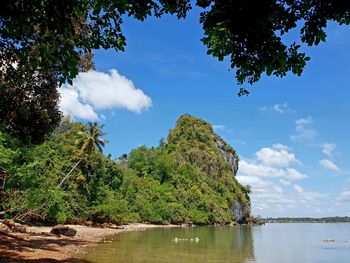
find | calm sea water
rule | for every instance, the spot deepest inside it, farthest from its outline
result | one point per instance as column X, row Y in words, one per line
column 272, row 243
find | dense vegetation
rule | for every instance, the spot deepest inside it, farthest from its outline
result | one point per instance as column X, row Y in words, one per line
column 187, row 178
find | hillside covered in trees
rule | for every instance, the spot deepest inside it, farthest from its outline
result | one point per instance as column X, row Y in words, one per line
column 187, row 178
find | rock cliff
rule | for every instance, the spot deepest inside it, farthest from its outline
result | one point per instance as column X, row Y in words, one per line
column 194, row 141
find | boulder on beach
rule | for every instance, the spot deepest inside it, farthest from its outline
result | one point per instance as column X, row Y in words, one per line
column 14, row 227
column 63, row 230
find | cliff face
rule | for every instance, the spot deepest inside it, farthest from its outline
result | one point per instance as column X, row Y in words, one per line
column 194, row 141
column 228, row 153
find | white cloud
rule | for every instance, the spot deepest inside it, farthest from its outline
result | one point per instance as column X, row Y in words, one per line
column 218, row 127
column 298, row 188
column 247, row 168
column 279, row 108
column 293, row 174
column 284, row 182
column 328, row 164
column 277, row 155
column 328, row 148
column 303, row 130
column 277, row 189
column 271, row 175
column 93, row 91
column 344, row 196
column 253, row 181
column 301, row 122
column 71, row 105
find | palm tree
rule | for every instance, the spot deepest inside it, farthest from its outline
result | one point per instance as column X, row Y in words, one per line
column 88, row 141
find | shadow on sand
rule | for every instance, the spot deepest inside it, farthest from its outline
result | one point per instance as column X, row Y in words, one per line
column 40, row 248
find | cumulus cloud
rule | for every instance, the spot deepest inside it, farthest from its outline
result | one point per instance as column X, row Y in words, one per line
column 279, row 108
column 254, row 181
column 344, row 196
column 284, row 182
column 272, row 162
column 272, row 176
column 278, row 189
column 71, row 105
column 328, row 164
column 328, row 148
column 303, row 129
column 261, row 170
column 277, row 155
column 92, row 91
column 298, row 188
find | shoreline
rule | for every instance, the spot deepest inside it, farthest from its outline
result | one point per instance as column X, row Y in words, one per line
column 45, row 247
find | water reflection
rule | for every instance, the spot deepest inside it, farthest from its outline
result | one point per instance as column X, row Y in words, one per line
column 216, row 244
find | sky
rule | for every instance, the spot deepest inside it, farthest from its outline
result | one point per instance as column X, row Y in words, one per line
column 291, row 133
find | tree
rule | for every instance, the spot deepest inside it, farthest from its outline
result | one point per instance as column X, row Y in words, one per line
column 89, row 141
column 29, row 110
column 250, row 33
column 51, row 34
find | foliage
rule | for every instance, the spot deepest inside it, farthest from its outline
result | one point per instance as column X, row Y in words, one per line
column 58, row 31
column 249, row 33
column 184, row 179
column 29, row 110
column 88, row 141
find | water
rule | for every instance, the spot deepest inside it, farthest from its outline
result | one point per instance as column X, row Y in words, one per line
column 272, row 243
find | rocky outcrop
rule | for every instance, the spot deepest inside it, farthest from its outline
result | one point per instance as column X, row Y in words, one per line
column 228, row 153
column 194, row 141
column 240, row 211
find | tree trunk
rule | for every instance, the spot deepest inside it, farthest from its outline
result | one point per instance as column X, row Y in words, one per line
column 68, row 174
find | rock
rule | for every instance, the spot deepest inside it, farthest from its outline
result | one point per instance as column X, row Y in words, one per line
column 10, row 223
column 114, row 226
column 88, row 223
column 63, row 230
column 19, row 228
column 14, row 227
column 228, row 153
column 4, row 228
column 104, row 225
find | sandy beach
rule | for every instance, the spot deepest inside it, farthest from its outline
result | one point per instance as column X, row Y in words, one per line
column 45, row 247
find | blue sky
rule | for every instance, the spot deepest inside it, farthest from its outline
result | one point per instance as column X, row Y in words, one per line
column 291, row 133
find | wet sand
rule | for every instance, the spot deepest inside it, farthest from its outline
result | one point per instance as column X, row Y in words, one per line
column 45, row 247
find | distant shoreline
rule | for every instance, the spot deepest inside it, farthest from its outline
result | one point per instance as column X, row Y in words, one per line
column 44, row 247
column 335, row 219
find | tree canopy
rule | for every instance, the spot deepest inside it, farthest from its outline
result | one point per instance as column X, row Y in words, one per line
column 52, row 34
column 250, row 33
column 29, row 110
